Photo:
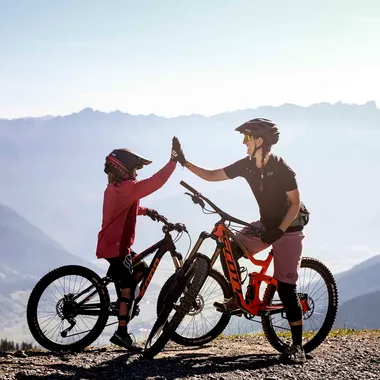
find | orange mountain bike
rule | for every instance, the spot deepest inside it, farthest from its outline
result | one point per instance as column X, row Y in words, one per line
column 202, row 323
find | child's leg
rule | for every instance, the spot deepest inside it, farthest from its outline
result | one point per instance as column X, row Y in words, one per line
column 125, row 303
column 139, row 269
column 124, row 279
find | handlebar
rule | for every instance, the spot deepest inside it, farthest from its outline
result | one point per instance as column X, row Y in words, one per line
column 168, row 227
column 198, row 198
column 188, row 187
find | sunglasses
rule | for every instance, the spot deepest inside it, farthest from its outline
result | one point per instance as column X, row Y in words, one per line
column 247, row 138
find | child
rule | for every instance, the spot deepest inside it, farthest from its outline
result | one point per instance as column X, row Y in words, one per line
column 120, row 209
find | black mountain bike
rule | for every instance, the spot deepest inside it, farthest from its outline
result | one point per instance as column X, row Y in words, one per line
column 69, row 307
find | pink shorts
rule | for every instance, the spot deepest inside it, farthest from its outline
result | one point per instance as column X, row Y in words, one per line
column 287, row 252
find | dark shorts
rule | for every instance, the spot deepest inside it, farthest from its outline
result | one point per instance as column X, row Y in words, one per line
column 121, row 274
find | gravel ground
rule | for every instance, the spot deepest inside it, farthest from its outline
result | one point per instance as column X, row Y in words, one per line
column 247, row 357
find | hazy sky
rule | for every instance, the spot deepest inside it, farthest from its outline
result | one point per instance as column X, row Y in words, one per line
column 173, row 57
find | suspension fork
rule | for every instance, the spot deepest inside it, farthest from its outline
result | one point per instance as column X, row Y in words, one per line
column 202, row 237
column 216, row 254
column 177, row 262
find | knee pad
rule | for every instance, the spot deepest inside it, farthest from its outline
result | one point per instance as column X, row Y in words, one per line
column 289, row 298
column 129, row 302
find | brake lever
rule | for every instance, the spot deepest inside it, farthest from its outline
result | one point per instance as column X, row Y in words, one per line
column 195, row 198
column 180, row 227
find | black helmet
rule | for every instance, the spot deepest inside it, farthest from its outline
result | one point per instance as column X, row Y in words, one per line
column 122, row 162
column 261, row 127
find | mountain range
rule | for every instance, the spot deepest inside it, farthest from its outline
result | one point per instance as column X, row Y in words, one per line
column 52, row 172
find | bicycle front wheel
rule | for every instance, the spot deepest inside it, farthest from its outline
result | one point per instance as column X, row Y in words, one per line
column 187, row 285
column 68, row 308
column 318, row 296
column 202, row 323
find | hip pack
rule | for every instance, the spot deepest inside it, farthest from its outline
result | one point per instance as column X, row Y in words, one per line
column 302, row 217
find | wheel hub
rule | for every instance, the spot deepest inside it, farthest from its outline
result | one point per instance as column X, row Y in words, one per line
column 197, row 306
column 308, row 305
column 66, row 307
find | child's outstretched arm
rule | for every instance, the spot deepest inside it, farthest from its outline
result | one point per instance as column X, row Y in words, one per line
column 148, row 186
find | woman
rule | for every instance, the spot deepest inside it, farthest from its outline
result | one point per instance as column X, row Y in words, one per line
column 282, row 218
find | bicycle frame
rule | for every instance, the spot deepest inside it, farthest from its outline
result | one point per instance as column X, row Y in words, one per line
column 164, row 245
column 93, row 309
column 221, row 234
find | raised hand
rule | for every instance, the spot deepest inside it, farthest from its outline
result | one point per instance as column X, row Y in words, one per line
column 177, row 154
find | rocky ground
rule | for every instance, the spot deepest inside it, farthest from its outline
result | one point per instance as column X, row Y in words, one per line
column 354, row 356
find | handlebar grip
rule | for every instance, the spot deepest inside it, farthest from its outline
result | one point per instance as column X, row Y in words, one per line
column 162, row 219
column 181, row 227
column 188, row 187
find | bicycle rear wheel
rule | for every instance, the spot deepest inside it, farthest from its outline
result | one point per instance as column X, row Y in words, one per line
column 318, row 295
column 185, row 288
column 68, row 308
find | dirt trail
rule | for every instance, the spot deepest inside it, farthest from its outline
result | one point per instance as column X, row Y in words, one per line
column 247, row 357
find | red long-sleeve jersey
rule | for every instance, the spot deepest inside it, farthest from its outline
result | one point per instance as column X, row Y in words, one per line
column 120, row 209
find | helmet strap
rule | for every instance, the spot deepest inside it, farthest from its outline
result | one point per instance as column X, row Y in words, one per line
column 255, row 150
column 129, row 176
